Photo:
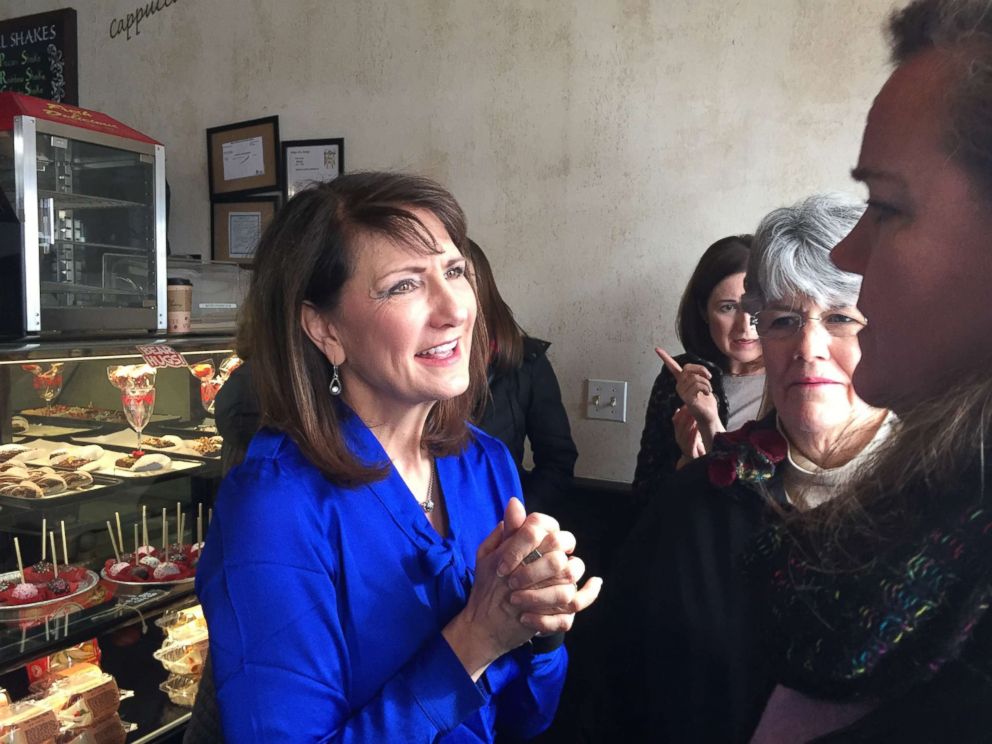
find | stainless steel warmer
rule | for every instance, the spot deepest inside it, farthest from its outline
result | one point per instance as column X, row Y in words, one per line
column 82, row 222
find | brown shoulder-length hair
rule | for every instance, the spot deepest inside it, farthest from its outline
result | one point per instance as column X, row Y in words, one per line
column 505, row 335
column 307, row 255
column 725, row 257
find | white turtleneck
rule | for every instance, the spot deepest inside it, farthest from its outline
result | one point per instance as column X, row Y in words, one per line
column 807, row 485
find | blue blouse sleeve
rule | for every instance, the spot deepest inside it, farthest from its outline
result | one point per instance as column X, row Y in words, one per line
column 527, row 698
column 281, row 663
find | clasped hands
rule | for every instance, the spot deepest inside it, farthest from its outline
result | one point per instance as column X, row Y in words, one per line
column 512, row 600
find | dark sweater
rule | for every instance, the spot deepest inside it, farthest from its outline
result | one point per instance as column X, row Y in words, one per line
column 659, row 451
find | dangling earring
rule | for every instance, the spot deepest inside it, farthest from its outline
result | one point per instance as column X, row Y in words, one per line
column 335, row 386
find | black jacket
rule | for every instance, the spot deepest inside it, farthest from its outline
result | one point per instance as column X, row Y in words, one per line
column 659, row 451
column 526, row 404
column 236, row 414
column 682, row 658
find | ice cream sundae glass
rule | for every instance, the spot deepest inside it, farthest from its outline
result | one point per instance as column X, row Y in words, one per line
column 46, row 382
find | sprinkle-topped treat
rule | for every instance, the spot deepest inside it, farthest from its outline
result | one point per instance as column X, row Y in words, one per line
column 167, row 572
column 59, row 586
column 24, row 594
column 39, row 573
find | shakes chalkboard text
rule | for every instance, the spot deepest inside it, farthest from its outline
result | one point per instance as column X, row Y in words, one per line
column 38, row 56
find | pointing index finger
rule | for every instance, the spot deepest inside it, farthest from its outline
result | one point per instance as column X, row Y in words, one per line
column 674, row 367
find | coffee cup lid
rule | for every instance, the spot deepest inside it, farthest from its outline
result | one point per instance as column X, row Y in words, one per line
column 175, row 280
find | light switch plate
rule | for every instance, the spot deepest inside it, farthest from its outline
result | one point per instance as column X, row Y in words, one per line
column 607, row 400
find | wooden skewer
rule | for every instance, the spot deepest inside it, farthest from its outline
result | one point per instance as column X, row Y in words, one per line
column 55, row 558
column 113, row 542
column 120, row 533
column 44, row 532
column 65, row 549
column 20, row 564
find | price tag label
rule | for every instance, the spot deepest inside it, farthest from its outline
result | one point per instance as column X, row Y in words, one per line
column 140, row 599
column 161, row 355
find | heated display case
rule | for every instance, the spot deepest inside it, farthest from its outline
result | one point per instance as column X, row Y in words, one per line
column 82, row 222
column 62, row 399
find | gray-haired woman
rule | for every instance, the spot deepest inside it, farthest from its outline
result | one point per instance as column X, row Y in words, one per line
column 703, row 676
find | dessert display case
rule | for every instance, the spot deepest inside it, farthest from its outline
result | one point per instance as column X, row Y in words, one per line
column 123, row 537
column 82, row 222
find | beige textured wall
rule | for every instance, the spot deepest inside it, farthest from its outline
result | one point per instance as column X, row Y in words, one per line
column 598, row 146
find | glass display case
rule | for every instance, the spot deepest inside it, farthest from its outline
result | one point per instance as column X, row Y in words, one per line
column 83, row 244
column 113, row 525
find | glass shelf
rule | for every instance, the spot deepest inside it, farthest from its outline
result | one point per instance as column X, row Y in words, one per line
column 66, row 288
column 103, row 246
column 69, row 349
column 65, row 200
column 20, row 643
column 80, row 164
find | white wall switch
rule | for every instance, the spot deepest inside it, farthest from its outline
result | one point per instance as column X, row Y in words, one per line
column 606, row 399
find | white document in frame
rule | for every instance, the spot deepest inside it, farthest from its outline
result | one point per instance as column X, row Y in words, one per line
column 309, row 164
column 243, row 158
column 243, row 230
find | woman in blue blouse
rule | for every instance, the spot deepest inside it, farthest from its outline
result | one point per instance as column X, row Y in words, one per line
column 370, row 573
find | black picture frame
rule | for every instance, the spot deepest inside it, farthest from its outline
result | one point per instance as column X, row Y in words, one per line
column 266, row 172
column 291, row 153
column 221, row 242
column 41, row 56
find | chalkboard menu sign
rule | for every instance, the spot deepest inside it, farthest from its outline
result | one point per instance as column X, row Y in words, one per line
column 38, row 56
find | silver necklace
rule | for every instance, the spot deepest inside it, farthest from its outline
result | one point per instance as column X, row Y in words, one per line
column 428, row 505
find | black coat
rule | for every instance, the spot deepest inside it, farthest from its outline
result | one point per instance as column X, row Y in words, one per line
column 526, row 404
column 236, row 414
column 682, row 658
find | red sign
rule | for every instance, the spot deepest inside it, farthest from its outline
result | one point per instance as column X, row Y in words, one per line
column 160, row 355
column 18, row 104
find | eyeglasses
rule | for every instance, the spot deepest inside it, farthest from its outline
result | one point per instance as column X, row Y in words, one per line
column 779, row 324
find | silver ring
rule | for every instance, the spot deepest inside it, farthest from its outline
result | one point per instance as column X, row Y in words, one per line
column 532, row 556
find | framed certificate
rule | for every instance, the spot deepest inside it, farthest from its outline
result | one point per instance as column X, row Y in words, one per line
column 237, row 226
column 306, row 162
column 243, row 158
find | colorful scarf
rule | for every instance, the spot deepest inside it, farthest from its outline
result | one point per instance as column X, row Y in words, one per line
column 876, row 631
